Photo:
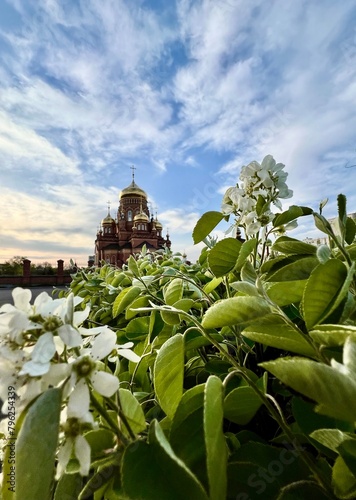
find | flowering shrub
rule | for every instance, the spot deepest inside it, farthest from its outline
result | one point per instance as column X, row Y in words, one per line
column 230, row 378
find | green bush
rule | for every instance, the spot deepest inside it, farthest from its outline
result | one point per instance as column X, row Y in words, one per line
column 233, row 377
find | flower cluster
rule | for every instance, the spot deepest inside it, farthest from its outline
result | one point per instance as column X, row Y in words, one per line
column 261, row 185
column 44, row 345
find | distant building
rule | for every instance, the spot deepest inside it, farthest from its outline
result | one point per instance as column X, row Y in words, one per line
column 133, row 228
column 324, row 240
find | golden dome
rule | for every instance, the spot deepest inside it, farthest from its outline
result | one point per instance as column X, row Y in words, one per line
column 108, row 220
column 158, row 224
column 141, row 217
column 133, row 190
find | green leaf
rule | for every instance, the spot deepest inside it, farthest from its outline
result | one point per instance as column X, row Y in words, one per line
column 68, row 487
column 333, row 335
column 173, row 318
column 133, row 412
column 137, row 303
column 323, row 224
column 275, row 332
column 137, row 328
column 302, row 490
column 241, row 405
column 216, row 448
column 36, row 447
column 100, row 440
column 223, row 256
column 212, row 284
column 350, row 230
column 322, row 291
column 205, row 225
column 132, row 265
column 287, row 245
column 169, row 374
column 341, row 209
column 332, row 438
column 334, row 391
column 343, row 480
column 248, row 272
column 246, row 249
column 234, row 311
column 284, row 293
column 153, row 471
column 292, row 213
column 187, row 436
column 295, row 271
column 124, row 299
column 347, row 450
column 323, row 253
column 173, row 292
column 245, row 287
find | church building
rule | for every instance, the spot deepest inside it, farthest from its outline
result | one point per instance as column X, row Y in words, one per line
column 133, row 227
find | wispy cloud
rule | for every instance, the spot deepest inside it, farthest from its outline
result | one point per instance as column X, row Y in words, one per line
column 189, row 92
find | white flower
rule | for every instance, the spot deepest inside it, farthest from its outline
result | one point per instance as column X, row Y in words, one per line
column 125, row 351
column 74, row 441
column 85, row 369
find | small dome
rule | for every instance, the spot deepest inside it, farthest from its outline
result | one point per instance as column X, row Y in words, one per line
column 158, row 224
column 141, row 217
column 108, row 220
column 133, row 190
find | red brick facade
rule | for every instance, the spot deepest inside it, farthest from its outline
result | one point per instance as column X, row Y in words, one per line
column 133, row 227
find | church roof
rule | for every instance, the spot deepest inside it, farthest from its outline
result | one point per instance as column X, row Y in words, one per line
column 133, row 190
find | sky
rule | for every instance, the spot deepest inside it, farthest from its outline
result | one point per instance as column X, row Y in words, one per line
column 188, row 91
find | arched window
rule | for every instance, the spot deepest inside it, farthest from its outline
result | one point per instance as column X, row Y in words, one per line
column 129, row 215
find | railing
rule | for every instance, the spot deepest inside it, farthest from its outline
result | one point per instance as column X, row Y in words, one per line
column 28, row 279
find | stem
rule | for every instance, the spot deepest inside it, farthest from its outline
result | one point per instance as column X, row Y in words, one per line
column 277, row 415
column 103, row 412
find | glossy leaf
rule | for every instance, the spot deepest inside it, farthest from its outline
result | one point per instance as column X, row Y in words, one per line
column 292, row 213
column 216, row 448
column 36, row 447
column 187, row 432
column 205, row 225
column 124, row 299
column 173, row 292
column 247, row 248
column 241, row 405
column 223, row 256
column 283, row 293
column 334, row 391
column 132, row 411
column 152, row 471
column 275, row 332
column 68, row 487
column 343, row 480
column 169, row 373
column 234, row 311
column 322, row 290
column 287, row 245
column 294, row 271
column 350, row 230
column 333, row 335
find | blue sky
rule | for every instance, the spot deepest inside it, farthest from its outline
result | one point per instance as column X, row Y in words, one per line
column 187, row 91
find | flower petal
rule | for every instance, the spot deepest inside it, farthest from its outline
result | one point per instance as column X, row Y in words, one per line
column 105, row 383
column 82, row 452
column 79, row 401
column 44, row 349
column 70, row 336
column 22, row 298
column 103, row 344
column 63, row 457
column 128, row 354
